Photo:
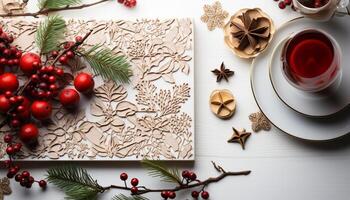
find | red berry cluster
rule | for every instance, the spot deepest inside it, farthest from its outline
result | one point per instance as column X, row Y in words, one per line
column 190, row 177
column 282, row 4
column 9, row 55
column 134, row 183
column 128, row 3
column 24, row 178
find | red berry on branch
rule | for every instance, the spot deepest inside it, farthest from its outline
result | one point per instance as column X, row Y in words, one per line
column 10, row 150
column 164, row 194
column 195, row 194
column 29, row 133
column 42, row 184
column 41, row 110
column 54, row 54
column 8, row 82
column 84, row 82
column 69, row 98
column 192, row 176
column 205, row 195
column 18, row 177
column 59, row 72
column 52, row 79
column 25, row 174
column 9, row 175
column 8, row 94
column 63, row 60
column 70, row 54
column 288, row 2
column 124, row 176
column 50, row 69
column 172, row 195
column 17, row 147
column 134, row 182
column 5, row 104
column 8, row 138
column 282, row 5
column 185, row 174
column 78, row 39
column 29, row 63
column 15, row 123
column 130, row 3
column 134, row 190
column 20, row 109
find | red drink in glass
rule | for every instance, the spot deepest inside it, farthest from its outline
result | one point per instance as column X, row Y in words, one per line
column 311, row 60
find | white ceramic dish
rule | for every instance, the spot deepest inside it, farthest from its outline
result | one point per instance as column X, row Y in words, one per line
column 282, row 116
column 321, row 104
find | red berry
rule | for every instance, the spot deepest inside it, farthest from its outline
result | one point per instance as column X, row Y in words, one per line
column 53, row 87
column 29, row 63
column 121, row 1
column 25, row 174
column 29, row 133
column 9, row 175
column 134, row 190
column 172, row 195
column 50, row 69
column 205, row 195
column 8, row 82
column 192, row 176
column 17, row 147
column 54, row 54
column 124, row 176
column 84, row 82
column 20, row 109
column 282, row 5
column 52, row 79
column 130, row 3
column 5, row 104
column 164, row 194
column 42, row 184
column 31, row 179
column 8, row 94
column 15, row 123
column 134, row 182
column 288, row 2
column 69, row 97
column 18, row 177
column 78, row 39
column 59, row 72
column 26, row 113
column 195, row 194
column 8, row 138
column 35, row 78
column 70, row 54
column 10, row 150
column 63, row 59
column 41, row 110
column 186, row 174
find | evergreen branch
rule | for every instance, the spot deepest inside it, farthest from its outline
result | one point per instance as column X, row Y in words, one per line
column 108, row 65
column 75, row 182
column 123, row 197
column 50, row 10
column 50, row 4
column 156, row 169
column 49, row 33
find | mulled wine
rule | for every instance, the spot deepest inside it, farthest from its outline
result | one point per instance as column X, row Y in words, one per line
column 311, row 60
column 314, row 3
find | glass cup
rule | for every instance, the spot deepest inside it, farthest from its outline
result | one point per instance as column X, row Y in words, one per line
column 311, row 60
column 324, row 12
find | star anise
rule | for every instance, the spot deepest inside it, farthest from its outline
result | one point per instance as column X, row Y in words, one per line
column 239, row 137
column 223, row 73
column 249, row 32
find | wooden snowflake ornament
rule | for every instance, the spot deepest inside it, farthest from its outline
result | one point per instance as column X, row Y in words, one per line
column 214, row 16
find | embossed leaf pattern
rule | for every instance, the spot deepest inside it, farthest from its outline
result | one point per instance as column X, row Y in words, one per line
column 146, row 121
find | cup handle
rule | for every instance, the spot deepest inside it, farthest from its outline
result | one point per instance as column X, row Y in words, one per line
column 343, row 8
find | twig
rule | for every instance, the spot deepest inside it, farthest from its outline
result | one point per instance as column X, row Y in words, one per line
column 144, row 190
column 49, row 10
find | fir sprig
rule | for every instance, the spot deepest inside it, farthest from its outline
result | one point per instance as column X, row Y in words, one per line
column 123, row 197
column 156, row 169
column 108, row 65
column 53, row 4
column 75, row 182
column 49, row 33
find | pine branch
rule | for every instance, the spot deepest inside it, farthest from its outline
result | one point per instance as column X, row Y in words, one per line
column 54, row 4
column 75, row 182
column 123, row 197
column 156, row 169
column 49, row 33
column 108, row 65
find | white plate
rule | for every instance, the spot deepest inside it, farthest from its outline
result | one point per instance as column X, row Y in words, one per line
column 282, row 116
column 321, row 104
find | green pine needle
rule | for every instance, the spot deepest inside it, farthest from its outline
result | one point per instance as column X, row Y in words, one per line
column 156, row 169
column 109, row 65
column 53, row 4
column 49, row 33
column 75, row 182
column 123, row 197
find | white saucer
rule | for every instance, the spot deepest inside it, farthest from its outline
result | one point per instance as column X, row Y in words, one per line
column 321, row 104
column 282, row 116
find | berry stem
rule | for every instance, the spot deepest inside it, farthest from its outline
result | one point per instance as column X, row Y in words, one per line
column 49, row 10
column 144, row 190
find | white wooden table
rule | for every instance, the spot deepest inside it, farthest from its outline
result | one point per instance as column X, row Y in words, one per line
column 282, row 167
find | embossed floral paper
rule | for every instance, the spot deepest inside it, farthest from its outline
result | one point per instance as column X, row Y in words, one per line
column 152, row 117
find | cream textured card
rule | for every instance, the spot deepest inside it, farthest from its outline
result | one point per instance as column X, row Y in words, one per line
column 151, row 117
